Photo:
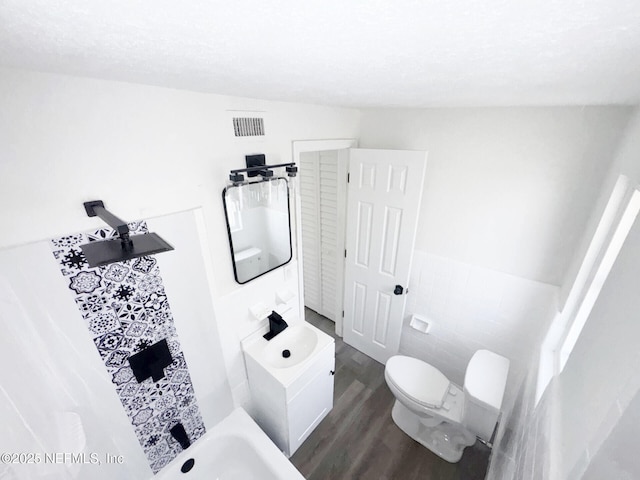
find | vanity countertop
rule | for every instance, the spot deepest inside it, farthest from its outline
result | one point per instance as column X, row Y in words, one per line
column 303, row 342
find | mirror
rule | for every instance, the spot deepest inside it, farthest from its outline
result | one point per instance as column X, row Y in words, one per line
column 259, row 227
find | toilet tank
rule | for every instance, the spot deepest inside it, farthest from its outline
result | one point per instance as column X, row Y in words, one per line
column 248, row 263
column 484, row 384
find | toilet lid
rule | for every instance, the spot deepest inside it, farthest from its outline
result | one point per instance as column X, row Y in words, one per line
column 418, row 380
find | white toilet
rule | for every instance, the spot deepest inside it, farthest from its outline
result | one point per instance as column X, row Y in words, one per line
column 439, row 414
column 248, row 263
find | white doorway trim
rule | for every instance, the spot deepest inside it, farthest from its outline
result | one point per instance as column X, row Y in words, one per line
column 298, row 147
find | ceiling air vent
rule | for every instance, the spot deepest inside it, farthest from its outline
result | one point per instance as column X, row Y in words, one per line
column 248, row 126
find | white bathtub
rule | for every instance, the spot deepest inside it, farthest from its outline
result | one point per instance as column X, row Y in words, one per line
column 235, row 449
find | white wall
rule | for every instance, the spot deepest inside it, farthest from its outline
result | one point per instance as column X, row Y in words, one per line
column 626, row 162
column 582, row 421
column 509, row 189
column 147, row 152
column 600, row 377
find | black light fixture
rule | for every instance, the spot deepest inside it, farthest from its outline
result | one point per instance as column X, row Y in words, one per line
column 236, row 177
column 257, row 160
column 123, row 247
column 256, row 166
column 292, row 170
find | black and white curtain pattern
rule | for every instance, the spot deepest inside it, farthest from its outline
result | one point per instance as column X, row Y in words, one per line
column 125, row 309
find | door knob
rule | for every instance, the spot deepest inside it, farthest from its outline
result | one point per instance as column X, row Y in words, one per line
column 398, row 290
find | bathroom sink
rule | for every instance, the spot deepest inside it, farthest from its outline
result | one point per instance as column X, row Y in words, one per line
column 286, row 355
column 298, row 340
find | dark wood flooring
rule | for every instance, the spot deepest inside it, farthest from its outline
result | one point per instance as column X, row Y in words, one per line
column 358, row 439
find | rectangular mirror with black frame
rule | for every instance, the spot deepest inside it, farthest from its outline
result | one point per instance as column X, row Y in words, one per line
column 259, row 226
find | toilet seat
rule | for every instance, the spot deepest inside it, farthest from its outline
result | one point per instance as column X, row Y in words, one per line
column 417, row 380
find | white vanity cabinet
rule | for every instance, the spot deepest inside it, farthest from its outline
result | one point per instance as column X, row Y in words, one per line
column 289, row 407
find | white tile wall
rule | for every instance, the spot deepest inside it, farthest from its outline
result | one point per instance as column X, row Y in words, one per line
column 522, row 446
column 617, row 456
column 471, row 308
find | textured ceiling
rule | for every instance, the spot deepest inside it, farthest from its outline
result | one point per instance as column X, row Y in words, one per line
column 362, row 53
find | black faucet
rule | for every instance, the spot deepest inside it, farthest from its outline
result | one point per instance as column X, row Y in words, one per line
column 276, row 325
column 178, row 432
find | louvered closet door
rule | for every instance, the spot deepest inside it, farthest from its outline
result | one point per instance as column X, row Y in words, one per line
column 321, row 175
column 310, row 201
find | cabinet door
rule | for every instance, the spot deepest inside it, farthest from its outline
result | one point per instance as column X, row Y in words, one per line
column 307, row 409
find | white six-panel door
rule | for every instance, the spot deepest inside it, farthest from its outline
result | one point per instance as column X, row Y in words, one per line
column 384, row 194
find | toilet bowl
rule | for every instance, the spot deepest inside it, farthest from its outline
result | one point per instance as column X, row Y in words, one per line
column 440, row 415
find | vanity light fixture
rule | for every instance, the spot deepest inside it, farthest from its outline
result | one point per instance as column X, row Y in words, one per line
column 236, row 177
column 256, row 166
